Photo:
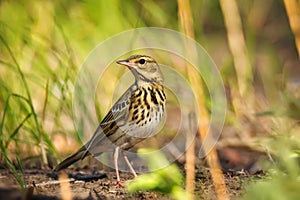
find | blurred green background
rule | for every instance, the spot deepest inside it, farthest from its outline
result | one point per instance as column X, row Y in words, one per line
column 43, row 44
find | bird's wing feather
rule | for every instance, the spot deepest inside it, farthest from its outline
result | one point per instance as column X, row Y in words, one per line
column 115, row 118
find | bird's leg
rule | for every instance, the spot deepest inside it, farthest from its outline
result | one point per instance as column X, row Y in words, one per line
column 128, row 164
column 116, row 155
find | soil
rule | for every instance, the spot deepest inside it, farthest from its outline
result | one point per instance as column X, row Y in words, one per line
column 97, row 184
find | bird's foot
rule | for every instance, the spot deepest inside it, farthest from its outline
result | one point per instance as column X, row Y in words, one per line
column 120, row 184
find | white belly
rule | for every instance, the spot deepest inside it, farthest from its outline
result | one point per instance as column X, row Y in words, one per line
column 147, row 127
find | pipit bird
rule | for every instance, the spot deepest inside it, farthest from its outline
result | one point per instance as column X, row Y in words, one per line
column 134, row 117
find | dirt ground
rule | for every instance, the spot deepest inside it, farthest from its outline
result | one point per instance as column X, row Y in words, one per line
column 97, row 184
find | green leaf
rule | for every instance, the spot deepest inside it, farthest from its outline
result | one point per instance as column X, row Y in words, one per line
column 164, row 176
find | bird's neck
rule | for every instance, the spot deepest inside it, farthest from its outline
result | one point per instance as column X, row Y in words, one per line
column 145, row 84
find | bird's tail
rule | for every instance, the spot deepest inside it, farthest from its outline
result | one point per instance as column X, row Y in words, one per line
column 79, row 155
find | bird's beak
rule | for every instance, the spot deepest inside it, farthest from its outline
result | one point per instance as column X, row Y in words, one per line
column 125, row 63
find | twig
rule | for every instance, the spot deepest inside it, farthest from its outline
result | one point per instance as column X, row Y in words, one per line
column 50, row 182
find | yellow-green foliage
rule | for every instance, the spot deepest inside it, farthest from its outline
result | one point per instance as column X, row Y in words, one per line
column 163, row 177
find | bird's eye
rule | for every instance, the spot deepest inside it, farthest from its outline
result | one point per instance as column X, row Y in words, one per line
column 142, row 61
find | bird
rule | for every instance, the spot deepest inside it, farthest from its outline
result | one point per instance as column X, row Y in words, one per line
column 135, row 116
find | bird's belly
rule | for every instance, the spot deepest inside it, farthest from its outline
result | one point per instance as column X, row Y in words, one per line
column 144, row 130
column 137, row 130
column 146, row 127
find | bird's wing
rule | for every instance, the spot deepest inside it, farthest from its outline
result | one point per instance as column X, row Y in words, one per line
column 115, row 118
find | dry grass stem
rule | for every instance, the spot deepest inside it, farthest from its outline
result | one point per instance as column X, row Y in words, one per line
column 203, row 128
column 190, row 157
column 65, row 188
column 293, row 11
column 237, row 44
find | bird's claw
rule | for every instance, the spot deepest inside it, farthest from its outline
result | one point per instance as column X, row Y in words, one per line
column 120, row 184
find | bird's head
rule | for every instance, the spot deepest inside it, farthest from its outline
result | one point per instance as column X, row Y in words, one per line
column 144, row 68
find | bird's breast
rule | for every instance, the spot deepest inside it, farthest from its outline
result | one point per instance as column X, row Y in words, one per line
column 146, row 111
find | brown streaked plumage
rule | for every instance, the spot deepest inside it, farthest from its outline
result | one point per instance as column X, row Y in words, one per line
column 134, row 117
